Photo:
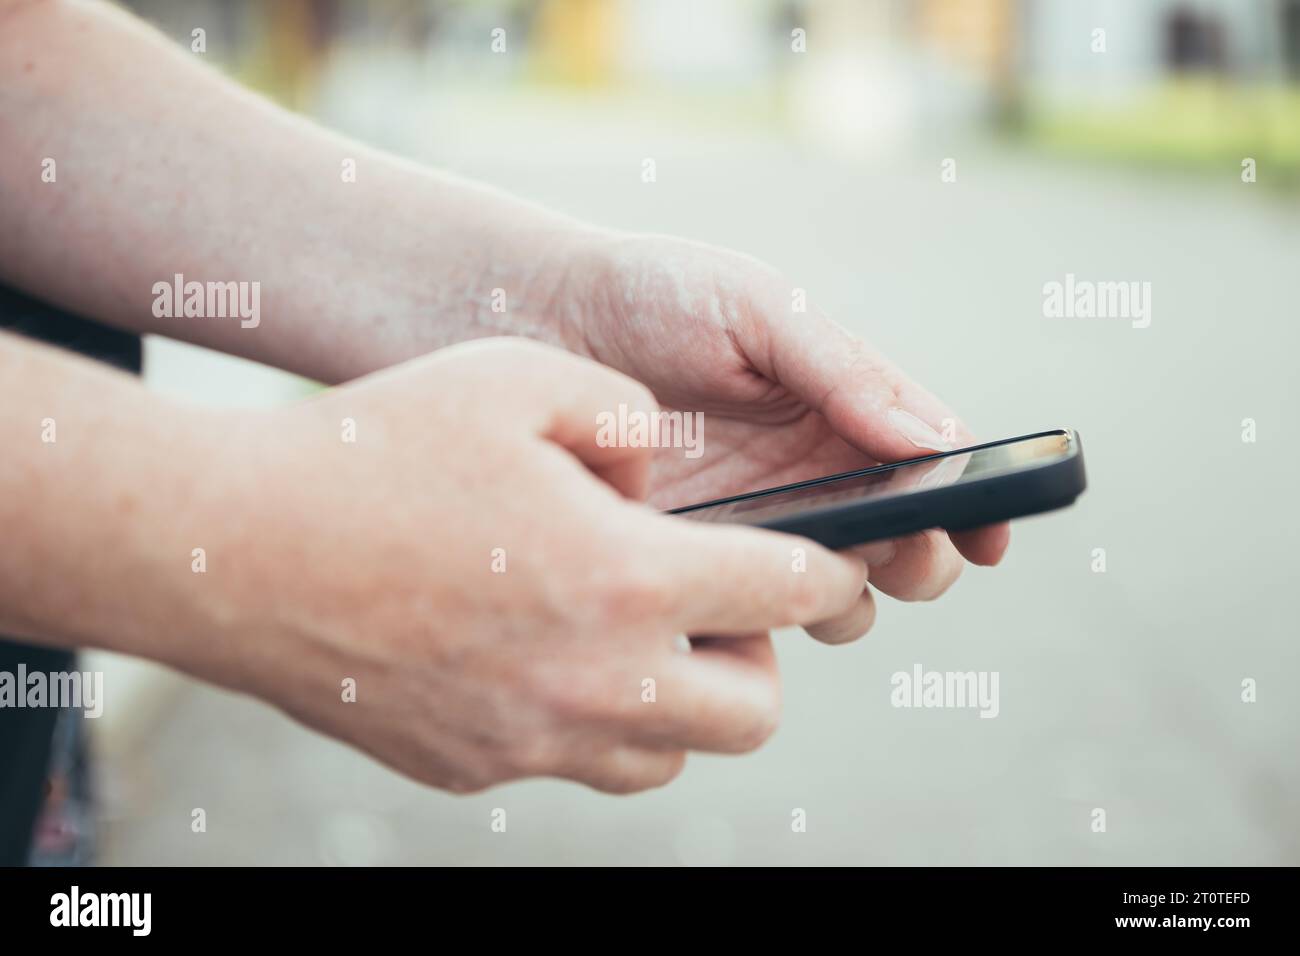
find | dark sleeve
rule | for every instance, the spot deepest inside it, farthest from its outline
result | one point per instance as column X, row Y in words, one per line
column 25, row 733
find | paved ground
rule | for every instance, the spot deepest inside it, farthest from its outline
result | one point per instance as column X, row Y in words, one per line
column 1119, row 690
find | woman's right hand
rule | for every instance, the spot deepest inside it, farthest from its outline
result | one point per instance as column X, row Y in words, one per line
column 486, row 576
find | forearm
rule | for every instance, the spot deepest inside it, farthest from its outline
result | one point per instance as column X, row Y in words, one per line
column 164, row 167
column 105, row 490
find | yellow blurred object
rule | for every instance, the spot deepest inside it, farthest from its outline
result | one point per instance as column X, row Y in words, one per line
column 287, row 61
column 978, row 34
column 573, row 42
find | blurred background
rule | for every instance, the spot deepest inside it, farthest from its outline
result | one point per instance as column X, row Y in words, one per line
column 923, row 169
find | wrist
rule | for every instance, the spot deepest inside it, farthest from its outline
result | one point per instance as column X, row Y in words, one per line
column 178, row 540
column 458, row 261
column 225, row 553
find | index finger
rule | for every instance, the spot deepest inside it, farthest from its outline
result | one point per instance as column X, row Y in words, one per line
column 873, row 405
column 732, row 579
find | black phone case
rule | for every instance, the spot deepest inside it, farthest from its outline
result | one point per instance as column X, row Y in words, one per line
column 970, row 504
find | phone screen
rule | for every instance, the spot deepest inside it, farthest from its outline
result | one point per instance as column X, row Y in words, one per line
column 887, row 480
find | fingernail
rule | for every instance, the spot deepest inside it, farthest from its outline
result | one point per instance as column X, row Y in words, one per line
column 945, row 472
column 916, row 431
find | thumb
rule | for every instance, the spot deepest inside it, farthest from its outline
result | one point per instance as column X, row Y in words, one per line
column 585, row 408
column 866, row 399
column 872, row 405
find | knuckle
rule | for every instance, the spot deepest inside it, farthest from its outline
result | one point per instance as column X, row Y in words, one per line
column 564, row 699
column 640, row 397
column 937, row 570
column 864, row 362
column 465, row 784
column 502, row 354
column 947, row 580
column 670, row 769
column 645, row 775
column 763, row 724
column 803, row 598
column 533, row 755
column 846, row 627
column 632, row 594
column 620, row 783
column 868, row 616
column 518, row 347
column 615, row 786
column 759, row 731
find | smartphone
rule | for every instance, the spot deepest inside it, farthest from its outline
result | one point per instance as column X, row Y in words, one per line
column 965, row 488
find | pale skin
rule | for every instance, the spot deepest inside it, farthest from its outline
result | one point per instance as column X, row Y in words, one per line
column 371, row 560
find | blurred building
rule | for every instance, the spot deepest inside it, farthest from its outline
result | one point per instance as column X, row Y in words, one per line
column 1148, row 42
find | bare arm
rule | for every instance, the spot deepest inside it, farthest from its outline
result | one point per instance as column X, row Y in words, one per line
column 163, row 166
column 103, row 490
column 331, row 565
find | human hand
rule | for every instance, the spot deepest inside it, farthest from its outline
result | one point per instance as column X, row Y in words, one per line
column 376, row 560
column 786, row 396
